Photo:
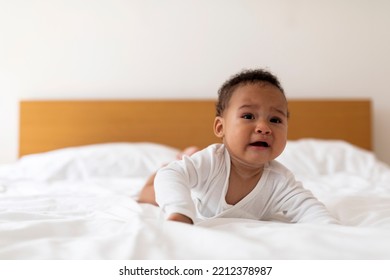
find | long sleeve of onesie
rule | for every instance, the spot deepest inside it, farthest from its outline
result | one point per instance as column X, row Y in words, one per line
column 180, row 183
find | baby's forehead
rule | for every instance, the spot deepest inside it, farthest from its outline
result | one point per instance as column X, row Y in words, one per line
column 252, row 97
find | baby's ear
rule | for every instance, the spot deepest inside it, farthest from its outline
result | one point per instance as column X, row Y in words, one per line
column 218, row 127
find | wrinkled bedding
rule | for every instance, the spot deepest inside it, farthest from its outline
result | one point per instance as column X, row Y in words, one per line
column 80, row 203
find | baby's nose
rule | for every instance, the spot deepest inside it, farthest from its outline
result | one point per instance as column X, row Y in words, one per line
column 263, row 128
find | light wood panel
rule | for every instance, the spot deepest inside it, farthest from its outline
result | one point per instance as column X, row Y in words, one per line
column 49, row 125
column 349, row 120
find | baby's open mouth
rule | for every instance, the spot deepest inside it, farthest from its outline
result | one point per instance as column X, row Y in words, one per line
column 260, row 144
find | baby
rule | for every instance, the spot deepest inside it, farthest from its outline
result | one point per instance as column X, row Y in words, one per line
column 240, row 178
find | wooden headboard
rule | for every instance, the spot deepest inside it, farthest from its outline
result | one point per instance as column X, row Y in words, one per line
column 49, row 125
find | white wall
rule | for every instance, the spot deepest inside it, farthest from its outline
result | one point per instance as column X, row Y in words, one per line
column 186, row 49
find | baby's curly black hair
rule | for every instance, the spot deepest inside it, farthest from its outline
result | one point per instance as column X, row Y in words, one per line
column 242, row 78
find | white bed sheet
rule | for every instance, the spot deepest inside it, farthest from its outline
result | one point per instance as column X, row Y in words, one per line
column 53, row 207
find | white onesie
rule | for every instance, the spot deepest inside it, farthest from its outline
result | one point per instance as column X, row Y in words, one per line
column 196, row 186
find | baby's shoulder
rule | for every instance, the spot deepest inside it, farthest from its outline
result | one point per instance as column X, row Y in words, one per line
column 213, row 151
column 214, row 154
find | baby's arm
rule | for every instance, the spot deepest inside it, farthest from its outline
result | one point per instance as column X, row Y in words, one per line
column 173, row 184
column 300, row 205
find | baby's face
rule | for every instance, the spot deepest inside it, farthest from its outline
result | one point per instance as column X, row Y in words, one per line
column 254, row 124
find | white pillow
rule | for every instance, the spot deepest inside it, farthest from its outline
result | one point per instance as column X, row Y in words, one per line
column 95, row 161
column 314, row 157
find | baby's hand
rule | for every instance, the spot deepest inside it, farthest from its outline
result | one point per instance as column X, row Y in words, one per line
column 180, row 218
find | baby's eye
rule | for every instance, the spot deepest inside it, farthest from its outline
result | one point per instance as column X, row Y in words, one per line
column 276, row 120
column 248, row 116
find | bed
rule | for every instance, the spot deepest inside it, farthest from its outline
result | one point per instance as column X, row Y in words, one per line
column 72, row 193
